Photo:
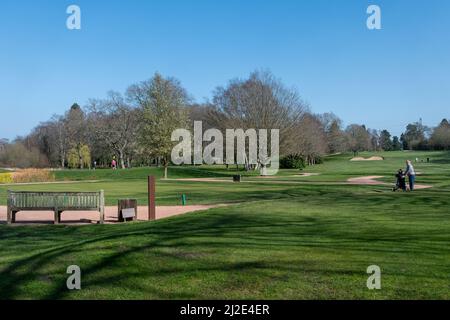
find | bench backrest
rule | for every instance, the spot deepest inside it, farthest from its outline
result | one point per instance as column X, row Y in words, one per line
column 56, row 200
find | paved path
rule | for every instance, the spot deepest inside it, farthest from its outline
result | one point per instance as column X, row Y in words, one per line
column 89, row 217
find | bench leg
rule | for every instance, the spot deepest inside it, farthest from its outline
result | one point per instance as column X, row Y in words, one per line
column 13, row 218
column 9, row 219
column 102, row 206
column 57, row 217
column 102, row 216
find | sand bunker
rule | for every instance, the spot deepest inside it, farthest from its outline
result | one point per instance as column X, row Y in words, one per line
column 367, row 159
column 306, row 174
column 371, row 180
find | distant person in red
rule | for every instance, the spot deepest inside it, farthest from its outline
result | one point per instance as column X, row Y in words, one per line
column 114, row 164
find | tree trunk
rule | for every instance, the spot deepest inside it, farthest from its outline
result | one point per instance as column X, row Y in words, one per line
column 122, row 160
column 165, row 171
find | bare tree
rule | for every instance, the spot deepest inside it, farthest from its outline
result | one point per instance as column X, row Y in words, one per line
column 440, row 138
column 21, row 153
column 358, row 138
column 115, row 123
column 336, row 137
column 51, row 139
column 3, row 144
column 61, row 137
column 259, row 102
column 311, row 139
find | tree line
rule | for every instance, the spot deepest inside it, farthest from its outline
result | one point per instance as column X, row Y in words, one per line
column 135, row 127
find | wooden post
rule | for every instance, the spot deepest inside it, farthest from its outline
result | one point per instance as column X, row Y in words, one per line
column 56, row 212
column 151, row 198
column 55, row 205
column 102, row 207
column 9, row 210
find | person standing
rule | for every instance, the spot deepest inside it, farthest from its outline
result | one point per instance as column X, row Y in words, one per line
column 411, row 173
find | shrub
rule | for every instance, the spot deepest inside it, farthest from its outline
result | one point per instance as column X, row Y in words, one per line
column 318, row 160
column 33, row 175
column 6, row 178
column 292, row 162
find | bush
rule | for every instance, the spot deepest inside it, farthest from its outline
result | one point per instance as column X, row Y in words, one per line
column 6, row 178
column 292, row 162
column 32, row 175
column 318, row 159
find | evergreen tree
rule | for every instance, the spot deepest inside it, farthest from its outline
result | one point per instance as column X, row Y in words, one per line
column 385, row 141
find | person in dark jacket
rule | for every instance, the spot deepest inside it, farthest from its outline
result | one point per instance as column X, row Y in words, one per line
column 401, row 181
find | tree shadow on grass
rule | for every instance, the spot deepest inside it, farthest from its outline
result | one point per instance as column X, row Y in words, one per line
column 221, row 229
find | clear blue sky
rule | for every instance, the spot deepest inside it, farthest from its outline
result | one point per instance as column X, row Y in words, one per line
column 383, row 79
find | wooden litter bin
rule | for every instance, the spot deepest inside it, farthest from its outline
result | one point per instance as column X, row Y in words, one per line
column 124, row 211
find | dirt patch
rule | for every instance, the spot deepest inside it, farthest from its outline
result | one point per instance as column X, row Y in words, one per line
column 367, row 159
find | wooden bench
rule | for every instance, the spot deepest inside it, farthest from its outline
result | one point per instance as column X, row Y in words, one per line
column 56, row 202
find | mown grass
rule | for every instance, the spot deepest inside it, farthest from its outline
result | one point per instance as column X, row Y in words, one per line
column 311, row 238
column 140, row 173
